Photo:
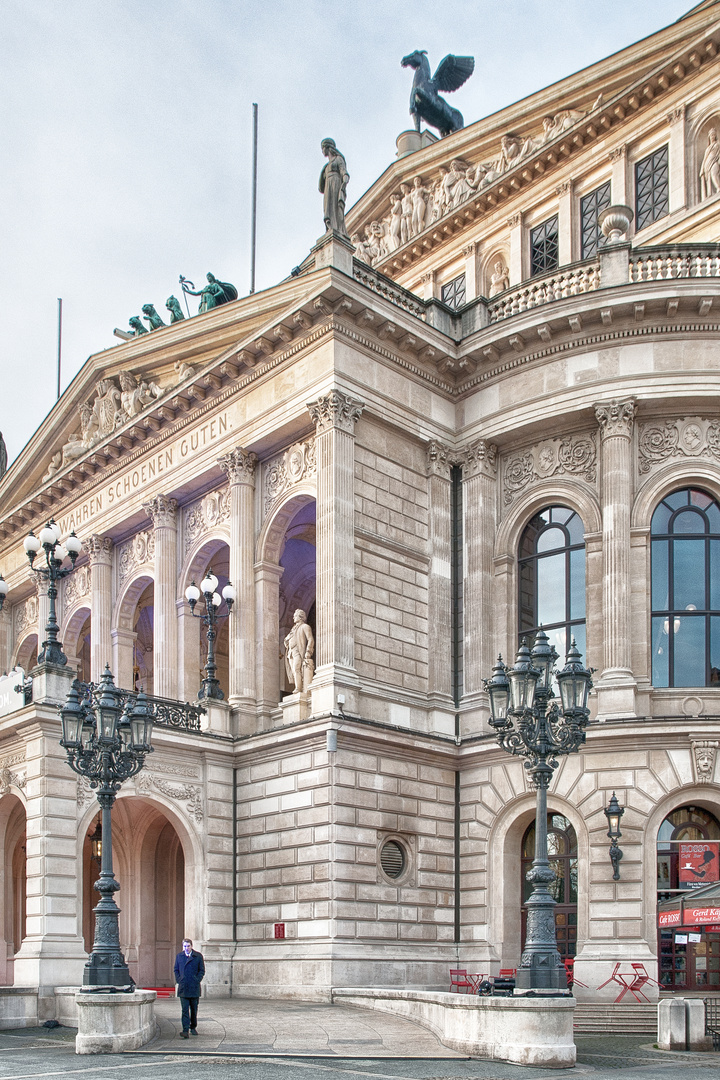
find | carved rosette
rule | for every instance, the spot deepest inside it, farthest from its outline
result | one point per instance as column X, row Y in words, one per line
column 239, row 466
column 574, row 456
column 616, row 418
column 297, row 463
column 335, row 410
column 136, row 552
column 704, row 756
column 190, row 794
column 205, row 515
column 77, row 585
column 439, row 459
column 99, row 548
column 162, row 510
column 479, row 459
column 688, row 437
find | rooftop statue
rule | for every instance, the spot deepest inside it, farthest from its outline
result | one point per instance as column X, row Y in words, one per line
column 136, row 326
column 173, row 306
column 3, row 456
column 333, row 187
column 425, row 101
column 211, row 295
column 151, row 316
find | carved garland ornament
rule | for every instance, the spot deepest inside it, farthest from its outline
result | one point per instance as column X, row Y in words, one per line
column 554, row 457
column 201, row 517
column 281, row 473
column 136, row 552
column 686, row 437
column 188, row 793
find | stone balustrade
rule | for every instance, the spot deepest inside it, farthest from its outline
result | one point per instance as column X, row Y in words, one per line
column 677, row 261
column 580, row 278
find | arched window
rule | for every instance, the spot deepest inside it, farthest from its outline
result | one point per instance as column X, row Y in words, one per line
column 562, row 853
column 685, row 561
column 552, row 578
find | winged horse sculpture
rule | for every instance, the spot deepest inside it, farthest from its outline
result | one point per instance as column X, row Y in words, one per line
column 425, row 101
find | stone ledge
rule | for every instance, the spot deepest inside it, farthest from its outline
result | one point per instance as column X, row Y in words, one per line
column 521, row 1030
column 114, row 1023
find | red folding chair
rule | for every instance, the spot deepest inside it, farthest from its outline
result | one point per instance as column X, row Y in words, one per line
column 507, row 973
column 570, row 972
column 459, row 979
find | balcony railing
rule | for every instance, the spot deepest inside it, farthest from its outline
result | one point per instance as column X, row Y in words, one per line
column 386, row 287
column 675, row 261
column 580, row 278
column 166, row 712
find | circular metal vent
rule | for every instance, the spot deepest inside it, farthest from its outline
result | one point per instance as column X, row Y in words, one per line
column 392, row 859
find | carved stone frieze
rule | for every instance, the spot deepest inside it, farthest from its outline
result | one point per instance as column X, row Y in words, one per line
column 575, row 455
column 704, row 755
column 203, row 516
column 281, row 473
column 239, row 466
column 335, row 410
column 616, row 418
column 163, row 511
column 172, row 769
column 190, row 794
column 26, row 615
column 687, row 437
column 136, row 552
column 78, row 585
column 480, row 458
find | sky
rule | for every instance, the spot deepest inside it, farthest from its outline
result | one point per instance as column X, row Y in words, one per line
column 126, row 141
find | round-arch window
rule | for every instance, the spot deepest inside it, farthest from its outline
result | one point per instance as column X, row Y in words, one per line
column 551, row 564
column 393, row 859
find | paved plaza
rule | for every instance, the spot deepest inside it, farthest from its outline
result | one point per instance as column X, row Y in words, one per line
column 253, row 1039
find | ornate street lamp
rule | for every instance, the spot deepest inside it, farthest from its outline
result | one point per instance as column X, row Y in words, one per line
column 55, row 555
column 613, row 812
column 107, row 746
column 531, row 725
column 210, row 687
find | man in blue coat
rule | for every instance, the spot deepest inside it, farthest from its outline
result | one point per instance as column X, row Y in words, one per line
column 189, row 971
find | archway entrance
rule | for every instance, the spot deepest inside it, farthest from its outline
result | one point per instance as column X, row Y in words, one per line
column 149, row 863
column 562, row 852
column 688, row 855
column 12, row 883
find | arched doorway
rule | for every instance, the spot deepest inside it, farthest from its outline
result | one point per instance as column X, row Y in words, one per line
column 562, row 853
column 143, row 627
column 688, row 856
column 149, row 863
column 27, row 653
column 12, row 883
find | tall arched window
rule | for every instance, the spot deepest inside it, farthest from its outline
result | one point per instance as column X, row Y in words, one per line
column 552, row 578
column 685, row 561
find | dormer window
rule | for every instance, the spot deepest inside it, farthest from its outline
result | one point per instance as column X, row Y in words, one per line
column 453, row 294
column 544, row 247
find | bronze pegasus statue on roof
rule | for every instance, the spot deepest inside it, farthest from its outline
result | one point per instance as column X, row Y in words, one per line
column 425, row 101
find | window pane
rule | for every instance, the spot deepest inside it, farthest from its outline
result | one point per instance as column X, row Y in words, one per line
column 715, row 650
column 576, row 529
column 590, row 208
column 651, row 188
column 560, row 514
column 577, row 584
column 677, row 499
column 689, row 659
column 544, row 247
column 699, row 498
column 689, row 521
column 660, row 653
column 714, row 546
column 578, row 632
column 688, row 575
column 660, row 585
column 660, row 519
column 551, row 540
column 713, row 516
column 551, row 590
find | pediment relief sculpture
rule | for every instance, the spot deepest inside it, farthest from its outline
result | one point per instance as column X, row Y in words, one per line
column 417, row 206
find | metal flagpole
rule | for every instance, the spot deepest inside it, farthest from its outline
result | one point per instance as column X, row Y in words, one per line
column 254, row 199
column 59, row 349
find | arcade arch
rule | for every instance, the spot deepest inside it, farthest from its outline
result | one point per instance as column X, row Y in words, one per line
column 133, row 635
column 211, row 554
column 13, row 882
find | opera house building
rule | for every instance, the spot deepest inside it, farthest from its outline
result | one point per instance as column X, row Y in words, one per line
column 495, row 409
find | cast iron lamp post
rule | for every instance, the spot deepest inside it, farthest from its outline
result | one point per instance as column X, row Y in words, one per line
column 210, row 687
column 613, row 812
column 106, row 746
column 532, row 726
column 55, row 555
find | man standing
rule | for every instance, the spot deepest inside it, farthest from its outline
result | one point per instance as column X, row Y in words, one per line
column 189, row 971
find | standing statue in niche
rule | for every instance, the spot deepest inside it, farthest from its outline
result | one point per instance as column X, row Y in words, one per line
column 500, row 279
column 333, row 187
column 710, row 168
column 299, row 648
column 425, row 101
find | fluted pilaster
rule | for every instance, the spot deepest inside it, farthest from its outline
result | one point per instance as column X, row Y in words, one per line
column 479, row 473
column 99, row 549
column 239, row 466
column 440, row 670
column 163, row 512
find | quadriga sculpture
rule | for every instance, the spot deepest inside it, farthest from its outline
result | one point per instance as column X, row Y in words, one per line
column 425, row 101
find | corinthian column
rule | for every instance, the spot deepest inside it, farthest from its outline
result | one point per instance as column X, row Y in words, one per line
column 163, row 512
column 99, row 549
column 335, row 416
column 480, row 618
column 239, row 467
column 616, row 687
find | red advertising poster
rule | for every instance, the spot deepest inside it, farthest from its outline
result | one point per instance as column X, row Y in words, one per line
column 698, row 864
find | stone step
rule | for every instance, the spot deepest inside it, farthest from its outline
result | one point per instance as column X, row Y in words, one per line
column 596, row 1018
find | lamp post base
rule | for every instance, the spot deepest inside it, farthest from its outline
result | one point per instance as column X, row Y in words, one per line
column 106, row 972
column 541, row 977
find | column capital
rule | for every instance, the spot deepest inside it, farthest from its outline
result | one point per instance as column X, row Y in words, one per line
column 616, row 418
column 99, row 548
column 619, row 153
column 335, row 410
column 239, row 466
column 480, row 459
column 440, row 459
column 162, row 510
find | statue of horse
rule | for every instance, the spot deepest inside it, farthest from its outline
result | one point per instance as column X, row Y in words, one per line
column 425, row 101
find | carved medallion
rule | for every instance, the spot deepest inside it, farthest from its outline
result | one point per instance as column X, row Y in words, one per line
column 281, row 473
column 686, row 437
column 136, row 552
column 201, row 517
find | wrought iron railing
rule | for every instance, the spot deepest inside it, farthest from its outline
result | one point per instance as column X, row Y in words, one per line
column 712, row 1020
column 166, row 712
column 673, row 261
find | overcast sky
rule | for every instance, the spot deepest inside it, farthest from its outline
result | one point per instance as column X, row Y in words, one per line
column 125, row 141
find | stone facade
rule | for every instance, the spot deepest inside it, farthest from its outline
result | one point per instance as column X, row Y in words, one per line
column 350, row 445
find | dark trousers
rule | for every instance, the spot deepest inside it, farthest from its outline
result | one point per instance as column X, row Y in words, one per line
column 189, row 1012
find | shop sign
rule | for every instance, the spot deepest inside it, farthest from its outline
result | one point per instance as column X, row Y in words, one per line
column 700, row 916
column 12, row 696
column 668, row 918
column 698, row 864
